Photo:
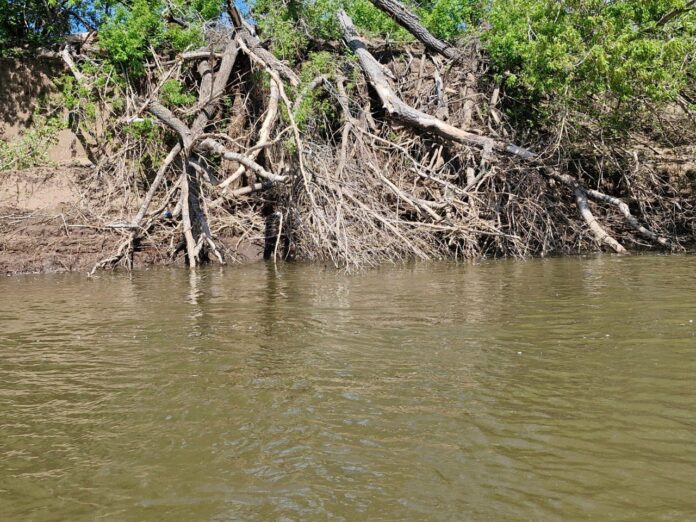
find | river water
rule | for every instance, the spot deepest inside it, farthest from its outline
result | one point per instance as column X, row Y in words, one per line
column 547, row 389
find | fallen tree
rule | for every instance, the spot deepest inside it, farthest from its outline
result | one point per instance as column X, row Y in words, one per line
column 404, row 153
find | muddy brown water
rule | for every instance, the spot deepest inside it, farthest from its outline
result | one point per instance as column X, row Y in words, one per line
column 548, row 389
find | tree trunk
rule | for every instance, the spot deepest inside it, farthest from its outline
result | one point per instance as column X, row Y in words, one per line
column 411, row 23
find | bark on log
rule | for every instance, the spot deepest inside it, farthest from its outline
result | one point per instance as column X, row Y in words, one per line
column 254, row 44
column 168, row 118
column 264, row 134
column 199, row 235
column 411, row 23
column 186, row 219
column 210, row 145
column 212, row 89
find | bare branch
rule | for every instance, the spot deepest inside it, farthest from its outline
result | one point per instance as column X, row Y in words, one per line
column 600, row 234
column 214, row 147
column 167, row 117
column 407, row 114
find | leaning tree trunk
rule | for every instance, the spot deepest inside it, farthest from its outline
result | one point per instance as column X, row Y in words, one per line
column 418, row 119
column 407, row 114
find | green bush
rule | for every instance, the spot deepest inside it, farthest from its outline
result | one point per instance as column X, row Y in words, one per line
column 31, row 148
column 127, row 35
column 572, row 52
column 449, row 19
column 172, row 93
column 315, row 106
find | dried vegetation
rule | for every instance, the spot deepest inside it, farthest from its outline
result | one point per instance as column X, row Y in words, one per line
column 410, row 157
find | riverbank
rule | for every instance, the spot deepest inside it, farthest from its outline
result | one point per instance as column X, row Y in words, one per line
column 47, row 224
column 52, row 221
column 354, row 196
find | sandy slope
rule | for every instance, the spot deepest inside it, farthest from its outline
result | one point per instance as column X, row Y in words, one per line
column 43, row 226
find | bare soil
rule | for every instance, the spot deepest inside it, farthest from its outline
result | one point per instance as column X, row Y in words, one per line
column 44, row 227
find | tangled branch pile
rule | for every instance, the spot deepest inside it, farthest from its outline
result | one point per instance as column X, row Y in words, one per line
column 368, row 151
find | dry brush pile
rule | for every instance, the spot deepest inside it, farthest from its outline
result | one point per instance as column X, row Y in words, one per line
column 411, row 157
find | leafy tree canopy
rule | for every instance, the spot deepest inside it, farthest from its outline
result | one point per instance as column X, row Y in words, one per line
column 563, row 52
column 575, row 50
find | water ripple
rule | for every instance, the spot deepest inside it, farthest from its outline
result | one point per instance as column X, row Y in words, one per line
column 548, row 389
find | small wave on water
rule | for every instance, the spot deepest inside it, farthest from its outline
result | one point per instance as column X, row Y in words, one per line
column 546, row 389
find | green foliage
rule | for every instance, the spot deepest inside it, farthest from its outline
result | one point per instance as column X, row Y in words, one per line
column 597, row 58
column 31, row 148
column 570, row 52
column 318, row 63
column 202, row 9
column 288, row 27
column 30, row 23
column 180, row 39
column 315, row 107
column 77, row 98
column 151, row 142
column 448, row 19
column 373, row 21
column 286, row 41
column 126, row 27
column 127, row 35
column 72, row 94
column 172, row 93
column 601, row 58
column 133, row 28
column 142, row 129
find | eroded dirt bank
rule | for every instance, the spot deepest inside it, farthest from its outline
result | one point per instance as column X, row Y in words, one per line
column 44, row 226
column 48, row 224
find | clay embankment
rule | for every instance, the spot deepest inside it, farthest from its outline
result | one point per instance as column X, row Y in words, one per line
column 42, row 226
column 36, row 208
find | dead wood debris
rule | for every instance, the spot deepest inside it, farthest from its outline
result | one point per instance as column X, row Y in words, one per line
column 383, row 181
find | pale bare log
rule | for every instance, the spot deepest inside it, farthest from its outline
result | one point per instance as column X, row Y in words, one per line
column 214, row 147
column 630, row 218
column 211, row 89
column 600, row 234
column 253, row 43
column 296, row 131
column 168, row 118
column 407, row 114
column 186, row 219
column 621, row 205
column 264, row 134
column 70, row 63
column 155, row 184
column 200, row 54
